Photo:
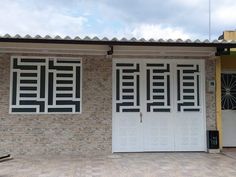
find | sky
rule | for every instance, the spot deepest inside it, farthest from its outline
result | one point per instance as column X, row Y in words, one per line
column 167, row 19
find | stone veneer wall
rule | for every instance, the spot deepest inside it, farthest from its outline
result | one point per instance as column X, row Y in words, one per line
column 210, row 97
column 86, row 133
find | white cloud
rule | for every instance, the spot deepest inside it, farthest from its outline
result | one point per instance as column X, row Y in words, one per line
column 148, row 31
column 17, row 18
column 149, row 19
column 225, row 15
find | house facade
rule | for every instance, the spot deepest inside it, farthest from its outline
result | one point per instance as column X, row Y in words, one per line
column 98, row 96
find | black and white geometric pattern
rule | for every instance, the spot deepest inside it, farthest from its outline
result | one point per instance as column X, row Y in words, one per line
column 228, row 91
column 188, row 87
column 127, row 87
column 158, row 87
column 45, row 85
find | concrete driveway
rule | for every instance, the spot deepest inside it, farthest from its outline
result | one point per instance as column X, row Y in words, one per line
column 122, row 165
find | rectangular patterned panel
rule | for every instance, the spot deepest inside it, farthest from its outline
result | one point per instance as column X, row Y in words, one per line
column 45, row 85
column 158, row 87
column 188, row 87
column 228, row 91
column 127, row 87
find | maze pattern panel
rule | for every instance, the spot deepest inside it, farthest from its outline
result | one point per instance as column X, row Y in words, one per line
column 228, row 90
column 158, row 87
column 188, row 88
column 127, row 87
column 45, row 85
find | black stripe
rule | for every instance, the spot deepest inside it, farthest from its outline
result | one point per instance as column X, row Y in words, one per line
column 128, row 90
column 28, row 88
column 28, row 95
column 15, row 63
column 188, row 83
column 33, row 60
column 158, row 84
column 77, row 107
column 197, row 70
column 23, row 109
column 148, row 84
column 65, row 82
column 191, row 110
column 158, row 97
column 168, row 90
column 184, row 65
column 78, row 89
column 68, row 61
column 188, row 71
column 128, row 77
column 158, row 77
column 131, row 110
column 29, row 102
column 161, row 110
column 127, row 97
column 59, row 109
column 64, row 88
column 64, row 75
column 124, row 64
column 65, row 102
column 64, row 95
column 127, row 83
column 198, row 102
column 129, row 70
column 28, row 74
column 117, row 84
column 28, row 81
column 155, row 64
column 188, row 77
column 188, row 90
column 160, row 70
column 137, row 68
column 158, row 90
column 137, row 90
column 168, row 68
column 14, row 88
column 50, row 88
column 178, row 84
column 188, row 97
column 42, row 82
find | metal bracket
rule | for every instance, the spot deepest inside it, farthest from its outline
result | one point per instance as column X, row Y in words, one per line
column 222, row 51
column 110, row 52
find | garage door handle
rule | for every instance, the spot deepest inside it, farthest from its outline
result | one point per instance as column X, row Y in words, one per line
column 141, row 117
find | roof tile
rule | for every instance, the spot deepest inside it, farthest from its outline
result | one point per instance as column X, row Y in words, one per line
column 133, row 39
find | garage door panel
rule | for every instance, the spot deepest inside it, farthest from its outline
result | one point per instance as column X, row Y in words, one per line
column 188, row 79
column 158, row 105
column 189, row 134
column 158, row 86
column 128, row 132
column 158, row 132
column 158, row 122
column 127, row 85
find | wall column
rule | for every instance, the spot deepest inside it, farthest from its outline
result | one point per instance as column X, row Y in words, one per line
column 218, row 99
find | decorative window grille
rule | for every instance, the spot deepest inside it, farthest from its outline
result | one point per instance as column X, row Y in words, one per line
column 45, row 85
column 228, row 90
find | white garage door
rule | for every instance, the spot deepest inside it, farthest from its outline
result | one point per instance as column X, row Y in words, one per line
column 158, row 105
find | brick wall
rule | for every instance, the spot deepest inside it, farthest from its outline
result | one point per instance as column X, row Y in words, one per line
column 210, row 97
column 89, row 132
column 86, row 133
